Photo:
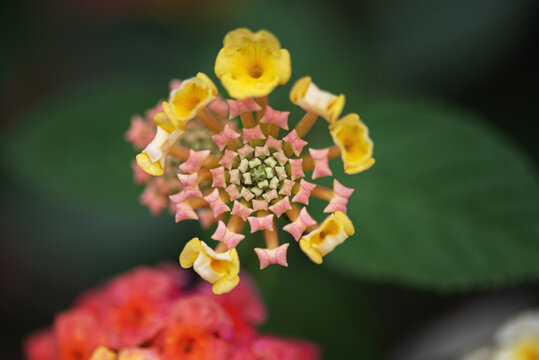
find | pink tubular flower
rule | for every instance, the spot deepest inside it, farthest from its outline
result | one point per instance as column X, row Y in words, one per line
column 138, row 303
column 77, row 334
column 197, row 328
column 41, row 346
column 154, row 200
column 117, row 321
column 270, row 348
column 244, row 306
column 255, row 161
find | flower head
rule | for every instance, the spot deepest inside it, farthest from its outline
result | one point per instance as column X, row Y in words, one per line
column 196, row 324
column 246, row 167
column 252, row 64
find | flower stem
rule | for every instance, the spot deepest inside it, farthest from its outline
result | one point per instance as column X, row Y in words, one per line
column 247, row 120
column 306, row 123
column 179, row 152
column 294, row 213
column 235, row 224
column 210, row 121
column 272, row 237
column 197, row 203
column 262, row 101
column 322, row 192
column 221, row 247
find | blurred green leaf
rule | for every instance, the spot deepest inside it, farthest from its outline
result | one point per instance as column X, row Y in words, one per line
column 68, row 174
column 73, row 144
column 450, row 204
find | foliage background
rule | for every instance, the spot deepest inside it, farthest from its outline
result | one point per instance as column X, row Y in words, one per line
column 448, row 214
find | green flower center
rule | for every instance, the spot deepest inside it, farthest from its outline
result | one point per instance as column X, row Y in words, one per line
column 259, row 175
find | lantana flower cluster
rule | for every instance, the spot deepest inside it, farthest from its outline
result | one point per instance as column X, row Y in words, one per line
column 151, row 314
column 225, row 161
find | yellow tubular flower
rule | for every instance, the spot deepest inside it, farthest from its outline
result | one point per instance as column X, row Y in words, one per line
column 332, row 232
column 527, row 349
column 252, row 64
column 309, row 97
column 220, row 269
column 188, row 99
column 102, row 353
column 351, row 135
column 152, row 158
column 518, row 338
column 164, row 122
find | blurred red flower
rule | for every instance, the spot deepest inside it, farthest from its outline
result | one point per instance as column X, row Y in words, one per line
column 154, row 309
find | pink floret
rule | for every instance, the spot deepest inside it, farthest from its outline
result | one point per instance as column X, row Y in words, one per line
column 238, row 107
column 216, row 204
column 321, row 166
column 304, row 193
column 195, row 160
column 296, row 168
column 339, row 201
column 253, row 134
column 226, row 135
column 295, row 141
column 241, row 210
column 281, row 206
column 226, row 236
column 272, row 256
column 298, row 226
column 261, row 223
column 275, row 117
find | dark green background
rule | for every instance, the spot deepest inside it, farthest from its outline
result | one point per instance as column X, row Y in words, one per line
column 448, row 213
